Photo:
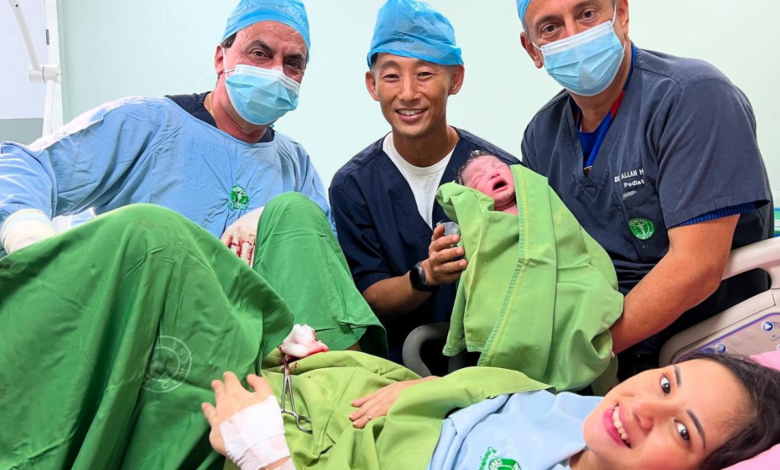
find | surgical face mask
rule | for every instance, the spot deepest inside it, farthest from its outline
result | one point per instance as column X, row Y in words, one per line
column 261, row 96
column 586, row 63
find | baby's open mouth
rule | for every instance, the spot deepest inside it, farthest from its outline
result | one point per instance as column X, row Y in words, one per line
column 499, row 185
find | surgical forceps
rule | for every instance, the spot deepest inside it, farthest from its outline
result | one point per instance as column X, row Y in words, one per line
column 287, row 389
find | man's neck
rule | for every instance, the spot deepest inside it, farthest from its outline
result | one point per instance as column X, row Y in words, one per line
column 428, row 150
column 595, row 108
column 229, row 121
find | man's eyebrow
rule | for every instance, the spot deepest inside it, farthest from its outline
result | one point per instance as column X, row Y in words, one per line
column 388, row 64
column 295, row 56
column 697, row 423
column 259, row 43
column 552, row 17
column 263, row 45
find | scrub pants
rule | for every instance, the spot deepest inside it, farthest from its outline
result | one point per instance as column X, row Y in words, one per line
column 113, row 330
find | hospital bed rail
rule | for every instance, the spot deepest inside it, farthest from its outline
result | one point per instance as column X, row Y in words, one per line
column 749, row 328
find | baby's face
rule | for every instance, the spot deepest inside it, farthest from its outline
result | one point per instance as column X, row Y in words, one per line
column 491, row 176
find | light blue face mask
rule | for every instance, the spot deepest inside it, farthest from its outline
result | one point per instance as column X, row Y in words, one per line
column 586, row 63
column 261, row 96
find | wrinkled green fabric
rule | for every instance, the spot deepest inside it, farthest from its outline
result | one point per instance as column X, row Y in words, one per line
column 113, row 331
column 539, row 294
column 301, row 259
column 326, row 384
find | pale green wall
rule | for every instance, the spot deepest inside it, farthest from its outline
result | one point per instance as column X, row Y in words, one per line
column 155, row 47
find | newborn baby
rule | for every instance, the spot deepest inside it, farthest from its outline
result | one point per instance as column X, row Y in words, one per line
column 492, row 177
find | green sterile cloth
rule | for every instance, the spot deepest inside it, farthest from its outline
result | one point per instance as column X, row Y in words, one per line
column 301, row 259
column 326, row 384
column 113, row 331
column 539, row 294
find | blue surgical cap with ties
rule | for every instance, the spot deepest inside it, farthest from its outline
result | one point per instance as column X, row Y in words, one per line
column 409, row 28
column 522, row 7
column 289, row 12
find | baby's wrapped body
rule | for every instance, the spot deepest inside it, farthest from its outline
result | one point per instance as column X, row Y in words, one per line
column 539, row 294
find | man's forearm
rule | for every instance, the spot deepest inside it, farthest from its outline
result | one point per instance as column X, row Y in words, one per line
column 673, row 287
column 689, row 273
column 394, row 296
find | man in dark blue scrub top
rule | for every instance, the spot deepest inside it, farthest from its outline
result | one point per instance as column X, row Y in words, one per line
column 657, row 158
column 384, row 199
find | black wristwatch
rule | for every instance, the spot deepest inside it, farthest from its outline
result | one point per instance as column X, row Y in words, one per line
column 417, row 279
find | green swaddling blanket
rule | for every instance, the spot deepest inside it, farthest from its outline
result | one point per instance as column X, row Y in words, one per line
column 539, row 294
column 326, row 384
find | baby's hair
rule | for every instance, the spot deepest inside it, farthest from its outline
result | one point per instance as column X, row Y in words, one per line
column 472, row 156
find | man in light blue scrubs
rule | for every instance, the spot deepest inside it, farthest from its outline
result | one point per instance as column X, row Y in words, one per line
column 212, row 157
column 657, row 158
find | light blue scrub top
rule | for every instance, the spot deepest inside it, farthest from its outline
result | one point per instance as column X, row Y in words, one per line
column 528, row 431
column 150, row 150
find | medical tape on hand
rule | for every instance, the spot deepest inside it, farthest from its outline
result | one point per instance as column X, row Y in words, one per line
column 254, row 437
column 257, row 458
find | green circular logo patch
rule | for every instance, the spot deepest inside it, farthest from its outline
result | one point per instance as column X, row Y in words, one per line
column 643, row 229
column 239, row 199
column 503, row 464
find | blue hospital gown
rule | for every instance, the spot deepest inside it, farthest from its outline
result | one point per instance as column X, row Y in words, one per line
column 528, row 431
column 150, row 150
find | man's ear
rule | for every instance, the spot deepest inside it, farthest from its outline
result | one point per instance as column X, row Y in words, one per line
column 371, row 85
column 532, row 51
column 219, row 61
column 623, row 16
column 458, row 75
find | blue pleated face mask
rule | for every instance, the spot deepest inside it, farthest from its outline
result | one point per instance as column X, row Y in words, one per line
column 261, row 96
column 586, row 63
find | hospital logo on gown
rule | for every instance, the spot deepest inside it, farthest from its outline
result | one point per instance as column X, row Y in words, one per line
column 503, row 464
column 239, row 199
column 169, row 365
column 490, row 462
column 643, row 229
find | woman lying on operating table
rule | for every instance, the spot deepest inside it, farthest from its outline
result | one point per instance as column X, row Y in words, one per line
column 705, row 413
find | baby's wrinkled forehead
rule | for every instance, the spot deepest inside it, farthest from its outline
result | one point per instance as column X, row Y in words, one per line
column 481, row 163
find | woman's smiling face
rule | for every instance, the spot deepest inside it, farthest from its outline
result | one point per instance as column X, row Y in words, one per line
column 671, row 418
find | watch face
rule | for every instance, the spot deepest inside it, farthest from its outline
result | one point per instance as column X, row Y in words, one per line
column 414, row 276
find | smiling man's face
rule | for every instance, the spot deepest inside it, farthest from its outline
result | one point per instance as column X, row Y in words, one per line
column 413, row 93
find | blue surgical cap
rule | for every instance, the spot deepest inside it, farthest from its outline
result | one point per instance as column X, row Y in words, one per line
column 289, row 12
column 522, row 6
column 409, row 28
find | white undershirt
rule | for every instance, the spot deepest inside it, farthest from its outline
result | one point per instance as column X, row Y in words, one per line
column 424, row 181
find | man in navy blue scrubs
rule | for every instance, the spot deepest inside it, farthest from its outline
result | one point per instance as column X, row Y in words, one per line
column 384, row 199
column 657, row 158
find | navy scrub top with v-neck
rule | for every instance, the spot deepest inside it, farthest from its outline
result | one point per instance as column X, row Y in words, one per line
column 382, row 233
column 683, row 144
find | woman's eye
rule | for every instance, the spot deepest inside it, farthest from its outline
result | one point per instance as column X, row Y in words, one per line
column 683, row 432
column 666, row 386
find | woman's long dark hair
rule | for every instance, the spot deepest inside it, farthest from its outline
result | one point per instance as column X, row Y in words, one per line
column 760, row 428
